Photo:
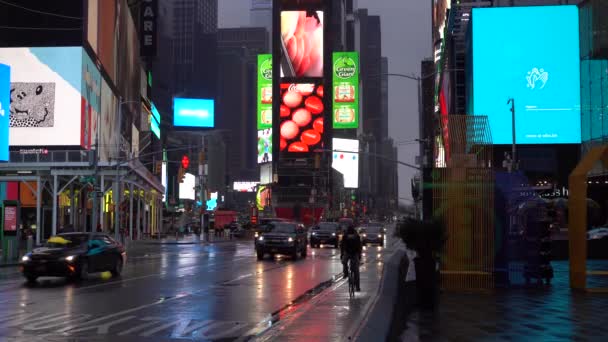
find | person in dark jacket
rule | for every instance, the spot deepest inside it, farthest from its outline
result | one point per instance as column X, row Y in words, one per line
column 351, row 248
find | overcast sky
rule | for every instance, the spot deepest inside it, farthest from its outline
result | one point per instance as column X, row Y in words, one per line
column 406, row 40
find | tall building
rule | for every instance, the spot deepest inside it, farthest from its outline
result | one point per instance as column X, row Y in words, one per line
column 238, row 49
column 260, row 15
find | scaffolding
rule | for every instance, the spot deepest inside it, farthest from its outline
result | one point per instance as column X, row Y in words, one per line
column 463, row 196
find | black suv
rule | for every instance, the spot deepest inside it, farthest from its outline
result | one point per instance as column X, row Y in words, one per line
column 372, row 233
column 288, row 238
column 326, row 233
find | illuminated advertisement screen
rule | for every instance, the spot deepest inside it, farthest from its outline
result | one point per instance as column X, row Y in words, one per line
column 537, row 65
column 245, row 186
column 266, row 173
column 186, row 188
column 264, row 91
column 263, row 197
column 302, row 43
column 5, row 91
column 346, row 90
column 301, row 117
column 155, row 121
column 265, row 146
column 196, row 113
column 345, row 159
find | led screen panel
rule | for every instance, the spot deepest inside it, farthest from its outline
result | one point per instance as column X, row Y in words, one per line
column 186, row 188
column 537, row 65
column 196, row 113
column 265, row 146
column 265, row 174
column 346, row 90
column 5, row 91
column 302, row 43
column 301, row 117
column 155, row 121
column 345, row 159
column 245, row 186
column 264, row 91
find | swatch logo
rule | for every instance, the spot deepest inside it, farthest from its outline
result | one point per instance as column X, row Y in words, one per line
column 537, row 78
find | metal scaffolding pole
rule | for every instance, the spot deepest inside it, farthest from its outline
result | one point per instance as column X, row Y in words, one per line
column 131, row 212
column 116, row 198
column 38, row 209
column 55, row 189
column 138, row 224
column 102, row 203
column 72, row 204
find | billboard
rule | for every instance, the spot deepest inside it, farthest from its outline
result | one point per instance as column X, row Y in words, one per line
column 345, row 162
column 90, row 102
column 245, row 186
column 263, row 197
column 108, row 125
column 345, row 103
column 266, row 173
column 47, row 108
column 302, row 43
column 301, row 117
column 186, row 188
column 538, row 66
column 197, row 113
column 265, row 146
column 264, row 91
column 5, row 91
column 155, row 121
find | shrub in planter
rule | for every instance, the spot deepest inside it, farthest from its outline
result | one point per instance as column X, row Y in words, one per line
column 427, row 238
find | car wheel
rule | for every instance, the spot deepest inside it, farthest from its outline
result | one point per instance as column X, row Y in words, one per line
column 117, row 267
column 31, row 278
column 83, row 273
column 304, row 252
column 260, row 255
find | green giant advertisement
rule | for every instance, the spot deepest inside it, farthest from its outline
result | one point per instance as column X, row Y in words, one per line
column 346, row 89
column 264, row 91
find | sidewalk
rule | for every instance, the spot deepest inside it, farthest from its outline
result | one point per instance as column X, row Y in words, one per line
column 553, row 313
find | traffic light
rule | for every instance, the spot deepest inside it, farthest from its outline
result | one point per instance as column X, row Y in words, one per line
column 185, row 162
column 181, row 173
column 158, row 167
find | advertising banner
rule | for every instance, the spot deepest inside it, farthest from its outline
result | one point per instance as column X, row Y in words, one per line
column 538, row 67
column 265, row 173
column 10, row 219
column 155, row 121
column 90, row 102
column 346, row 90
column 148, row 29
column 195, row 113
column 264, row 91
column 5, row 91
column 245, row 186
column 301, row 117
column 265, row 146
column 302, row 43
column 46, row 101
column 186, row 188
column 345, row 159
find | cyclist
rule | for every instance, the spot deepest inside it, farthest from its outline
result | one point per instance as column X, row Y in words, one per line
column 351, row 248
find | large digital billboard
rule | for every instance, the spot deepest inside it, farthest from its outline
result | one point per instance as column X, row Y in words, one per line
column 55, row 94
column 530, row 54
column 196, row 113
column 301, row 117
column 265, row 146
column 264, row 91
column 186, row 188
column 345, row 159
column 5, row 91
column 302, row 43
column 155, row 121
column 346, row 90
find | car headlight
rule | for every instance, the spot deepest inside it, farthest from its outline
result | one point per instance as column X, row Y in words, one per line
column 364, row 235
column 70, row 258
column 333, row 234
column 256, row 234
column 25, row 258
column 379, row 235
column 313, row 233
column 261, row 238
column 290, row 239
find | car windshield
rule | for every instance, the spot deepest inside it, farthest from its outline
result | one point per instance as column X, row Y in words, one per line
column 280, row 227
column 372, row 229
column 66, row 240
column 328, row 226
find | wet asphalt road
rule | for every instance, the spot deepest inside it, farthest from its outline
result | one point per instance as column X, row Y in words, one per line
column 166, row 292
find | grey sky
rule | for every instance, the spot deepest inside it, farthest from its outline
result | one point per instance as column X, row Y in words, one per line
column 406, row 40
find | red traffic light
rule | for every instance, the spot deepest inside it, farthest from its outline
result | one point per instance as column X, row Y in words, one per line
column 185, row 162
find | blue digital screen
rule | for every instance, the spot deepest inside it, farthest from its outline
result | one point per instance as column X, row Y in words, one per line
column 5, row 90
column 193, row 113
column 155, row 121
column 530, row 54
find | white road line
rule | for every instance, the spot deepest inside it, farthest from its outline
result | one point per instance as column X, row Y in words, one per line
column 54, row 322
column 141, row 326
column 102, row 329
column 160, row 328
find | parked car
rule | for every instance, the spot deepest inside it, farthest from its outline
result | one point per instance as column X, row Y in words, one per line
column 287, row 238
column 325, row 233
column 372, row 233
column 74, row 255
column 597, row 234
